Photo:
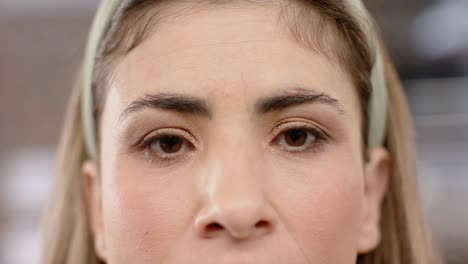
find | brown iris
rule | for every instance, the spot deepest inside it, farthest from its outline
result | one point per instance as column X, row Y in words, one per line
column 170, row 144
column 295, row 137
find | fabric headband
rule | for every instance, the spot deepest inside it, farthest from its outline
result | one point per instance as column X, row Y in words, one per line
column 102, row 21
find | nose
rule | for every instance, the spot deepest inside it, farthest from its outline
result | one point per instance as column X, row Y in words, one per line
column 234, row 205
column 238, row 219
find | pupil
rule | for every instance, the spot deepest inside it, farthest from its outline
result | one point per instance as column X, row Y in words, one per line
column 170, row 144
column 296, row 137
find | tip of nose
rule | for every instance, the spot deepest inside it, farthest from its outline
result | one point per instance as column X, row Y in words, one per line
column 239, row 221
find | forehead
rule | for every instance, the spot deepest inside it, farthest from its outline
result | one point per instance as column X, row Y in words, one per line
column 227, row 52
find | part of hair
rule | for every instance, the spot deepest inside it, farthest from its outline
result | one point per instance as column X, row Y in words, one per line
column 343, row 39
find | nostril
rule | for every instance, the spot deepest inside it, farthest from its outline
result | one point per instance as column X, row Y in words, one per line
column 213, row 227
column 262, row 224
column 242, row 232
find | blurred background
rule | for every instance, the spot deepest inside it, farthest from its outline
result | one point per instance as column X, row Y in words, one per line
column 42, row 42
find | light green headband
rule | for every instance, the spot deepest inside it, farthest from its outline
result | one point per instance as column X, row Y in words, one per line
column 101, row 24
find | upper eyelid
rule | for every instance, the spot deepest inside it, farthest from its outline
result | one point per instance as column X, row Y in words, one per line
column 283, row 126
column 135, row 129
column 172, row 131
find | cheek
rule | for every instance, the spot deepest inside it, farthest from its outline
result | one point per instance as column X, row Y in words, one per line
column 142, row 219
column 320, row 202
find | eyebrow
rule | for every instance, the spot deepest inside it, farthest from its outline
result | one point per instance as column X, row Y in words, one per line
column 196, row 106
column 166, row 101
column 295, row 97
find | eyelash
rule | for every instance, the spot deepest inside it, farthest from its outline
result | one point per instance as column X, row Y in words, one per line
column 189, row 141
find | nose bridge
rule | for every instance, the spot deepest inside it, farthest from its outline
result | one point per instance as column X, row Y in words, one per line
column 235, row 170
column 233, row 195
column 237, row 183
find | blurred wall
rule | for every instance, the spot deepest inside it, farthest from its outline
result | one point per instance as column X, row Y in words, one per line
column 40, row 50
column 39, row 55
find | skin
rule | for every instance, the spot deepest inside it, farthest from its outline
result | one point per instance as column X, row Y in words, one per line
column 236, row 191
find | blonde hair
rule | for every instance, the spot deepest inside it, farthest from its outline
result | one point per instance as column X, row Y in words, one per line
column 405, row 238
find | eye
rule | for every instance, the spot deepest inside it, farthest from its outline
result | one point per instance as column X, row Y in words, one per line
column 168, row 144
column 298, row 137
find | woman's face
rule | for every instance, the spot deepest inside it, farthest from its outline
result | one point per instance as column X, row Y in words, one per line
column 225, row 141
